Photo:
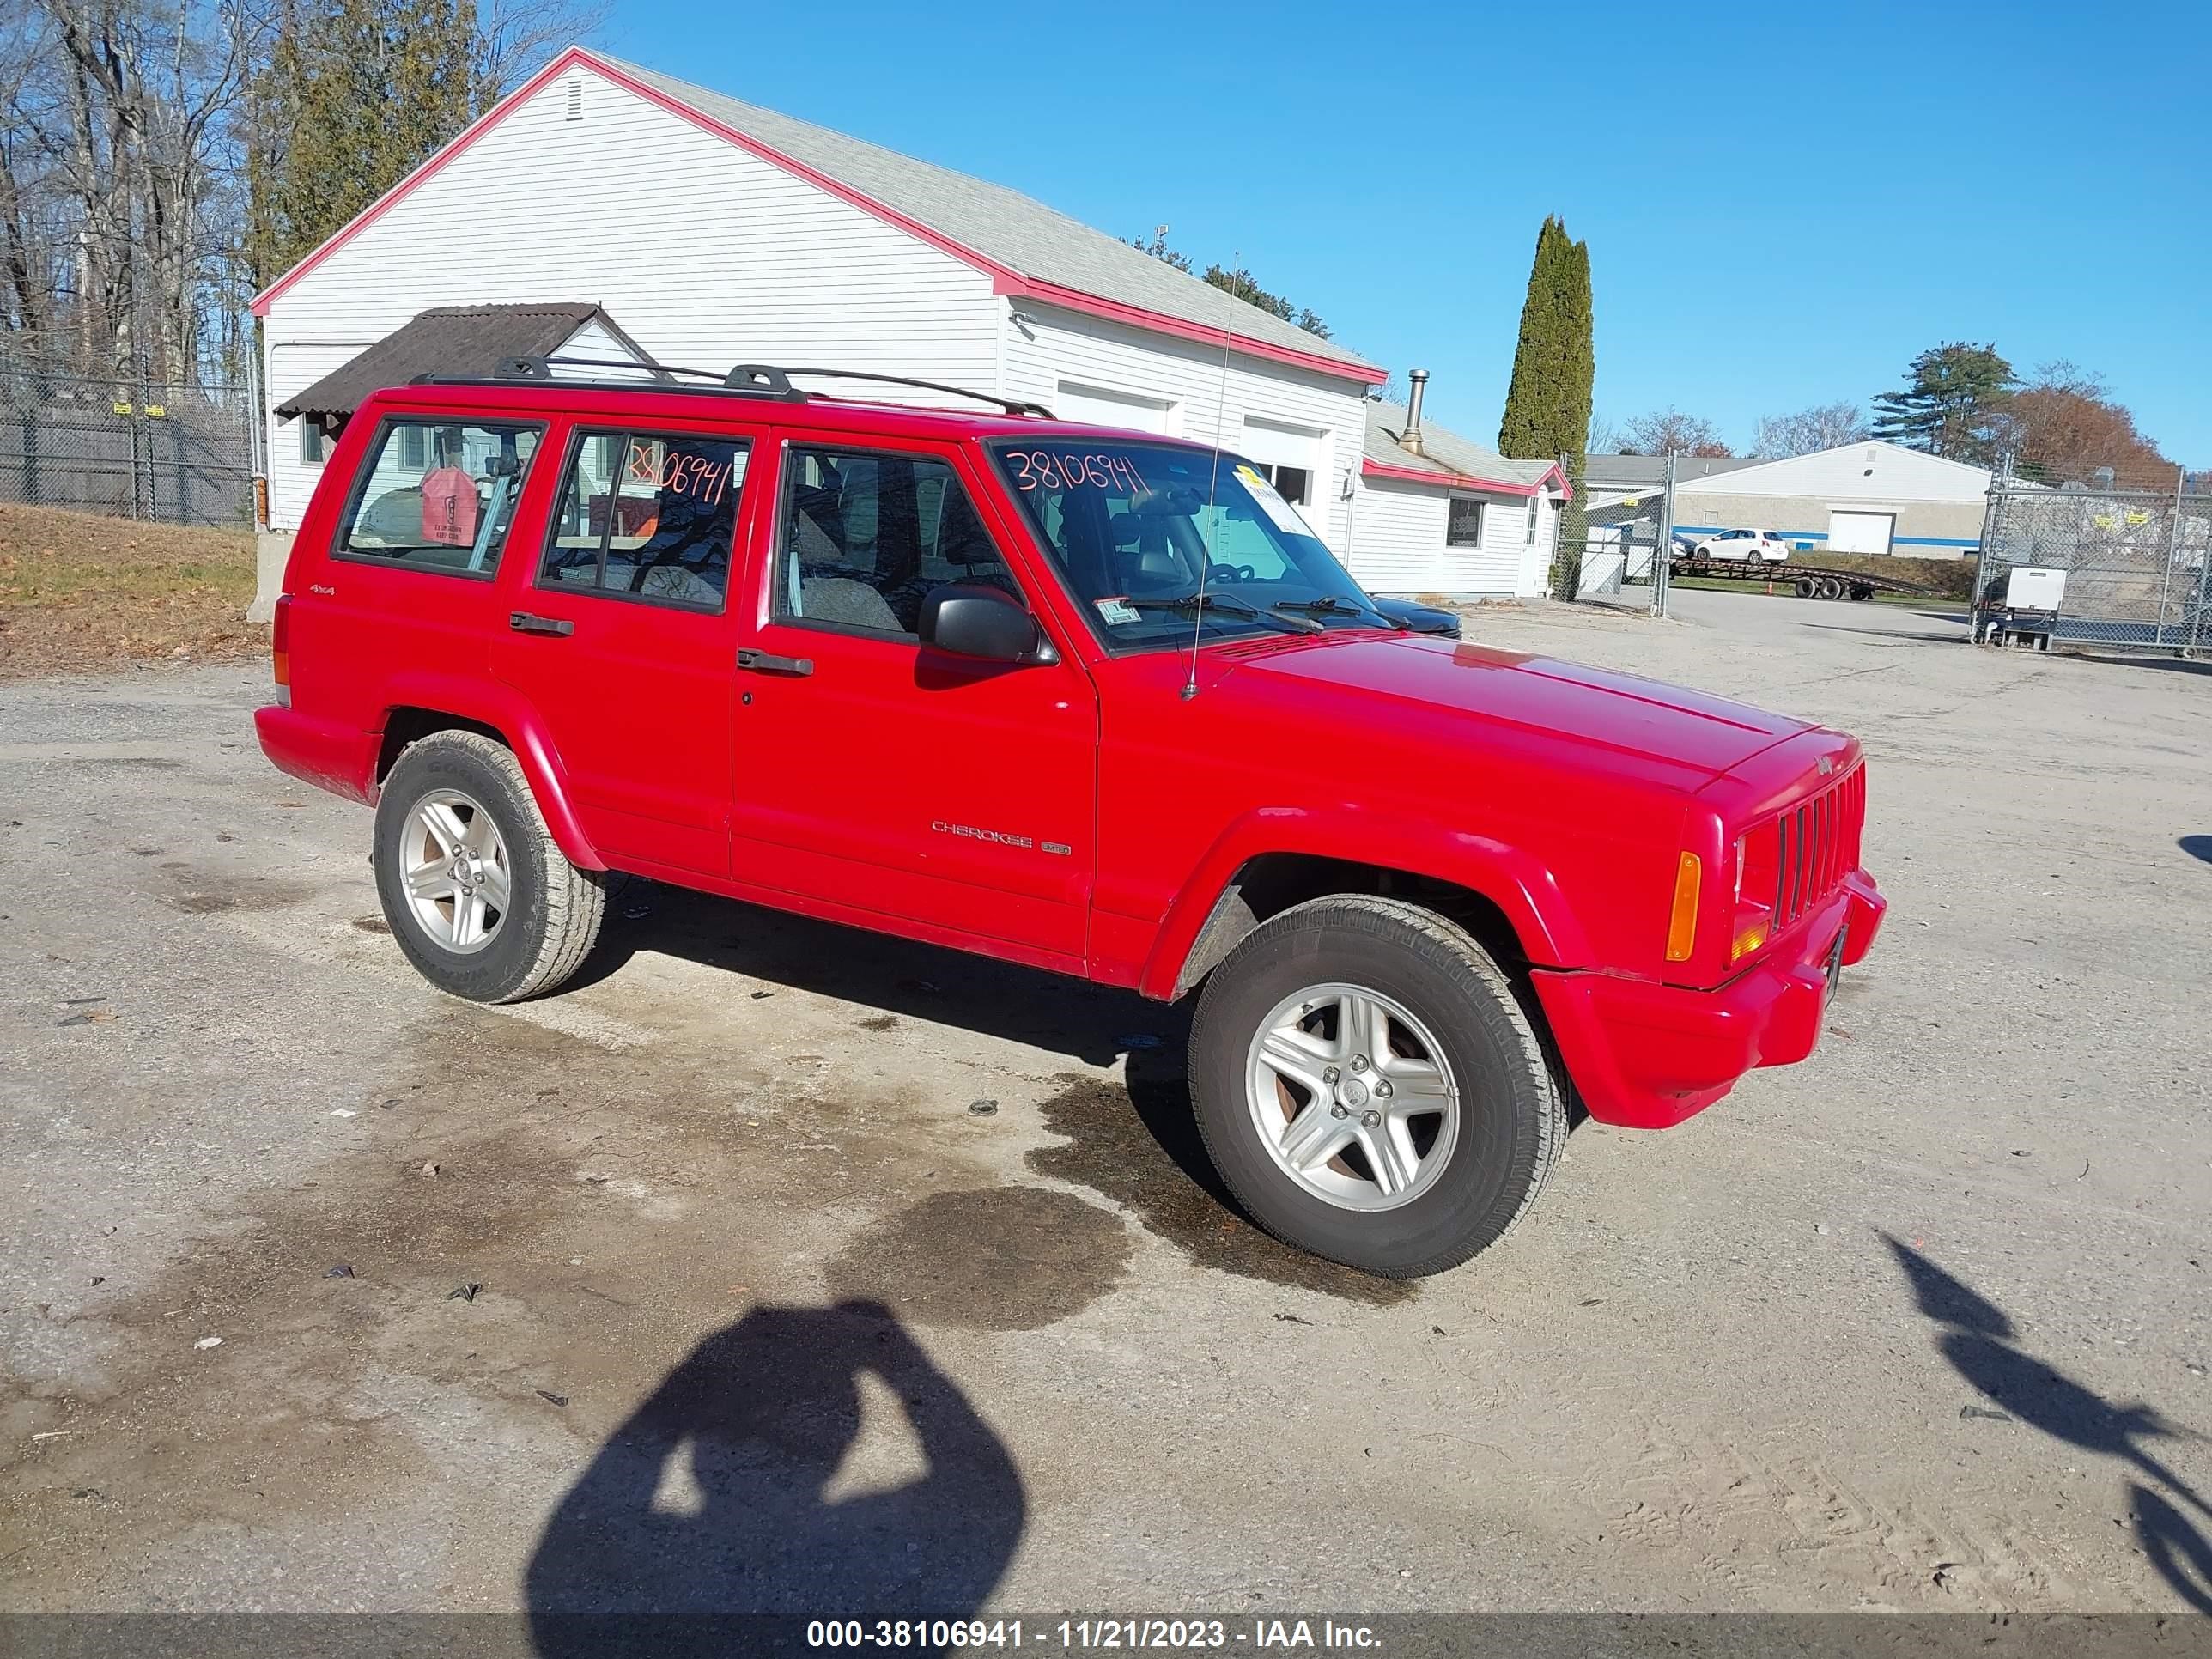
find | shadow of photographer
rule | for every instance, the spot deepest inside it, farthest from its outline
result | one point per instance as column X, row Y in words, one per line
column 1978, row 1338
column 720, row 1495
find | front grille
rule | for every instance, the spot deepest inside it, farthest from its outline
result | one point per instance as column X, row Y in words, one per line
column 1820, row 846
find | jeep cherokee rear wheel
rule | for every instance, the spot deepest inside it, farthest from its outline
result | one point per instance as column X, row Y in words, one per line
column 477, row 893
column 1370, row 1088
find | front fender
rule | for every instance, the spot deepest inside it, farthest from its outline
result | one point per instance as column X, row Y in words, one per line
column 512, row 715
column 1509, row 877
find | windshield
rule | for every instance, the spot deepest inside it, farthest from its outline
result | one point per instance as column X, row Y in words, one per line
column 1129, row 528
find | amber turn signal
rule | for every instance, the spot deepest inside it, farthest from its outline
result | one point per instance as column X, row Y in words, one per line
column 1682, row 925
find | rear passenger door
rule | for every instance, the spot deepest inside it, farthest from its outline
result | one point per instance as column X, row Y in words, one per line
column 620, row 634
column 890, row 783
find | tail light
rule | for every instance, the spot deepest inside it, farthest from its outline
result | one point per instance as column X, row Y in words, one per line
column 280, row 649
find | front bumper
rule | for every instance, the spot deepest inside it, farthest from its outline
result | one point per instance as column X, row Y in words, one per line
column 1645, row 1055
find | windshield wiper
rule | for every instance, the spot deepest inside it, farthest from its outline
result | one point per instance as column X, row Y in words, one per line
column 1330, row 605
column 1190, row 604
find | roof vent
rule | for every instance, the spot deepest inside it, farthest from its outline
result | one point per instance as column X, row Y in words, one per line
column 1417, row 381
column 575, row 98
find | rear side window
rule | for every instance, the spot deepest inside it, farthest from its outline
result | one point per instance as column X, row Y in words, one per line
column 865, row 537
column 438, row 495
column 647, row 516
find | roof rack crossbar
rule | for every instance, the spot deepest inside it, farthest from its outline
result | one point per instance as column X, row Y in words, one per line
column 1012, row 405
column 745, row 380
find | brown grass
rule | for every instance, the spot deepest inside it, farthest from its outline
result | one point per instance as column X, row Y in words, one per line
column 82, row 593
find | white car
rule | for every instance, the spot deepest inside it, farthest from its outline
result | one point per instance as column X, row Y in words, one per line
column 1742, row 545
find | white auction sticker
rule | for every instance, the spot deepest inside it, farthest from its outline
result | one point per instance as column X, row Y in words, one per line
column 1117, row 609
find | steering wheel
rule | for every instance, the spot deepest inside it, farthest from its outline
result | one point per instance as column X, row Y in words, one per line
column 1229, row 572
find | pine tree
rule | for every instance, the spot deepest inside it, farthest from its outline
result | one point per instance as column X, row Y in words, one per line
column 1547, row 407
column 1951, row 403
column 356, row 95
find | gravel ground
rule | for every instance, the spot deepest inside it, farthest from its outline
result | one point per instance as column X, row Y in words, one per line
column 708, row 1284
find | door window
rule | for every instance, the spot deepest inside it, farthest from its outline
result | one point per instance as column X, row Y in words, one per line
column 438, row 495
column 647, row 516
column 866, row 535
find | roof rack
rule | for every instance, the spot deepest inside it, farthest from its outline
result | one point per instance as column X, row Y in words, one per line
column 744, row 380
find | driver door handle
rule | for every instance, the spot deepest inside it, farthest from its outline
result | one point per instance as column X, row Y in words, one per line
column 761, row 662
column 522, row 621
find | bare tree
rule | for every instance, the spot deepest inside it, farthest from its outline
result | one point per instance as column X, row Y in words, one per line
column 1670, row 432
column 1824, row 426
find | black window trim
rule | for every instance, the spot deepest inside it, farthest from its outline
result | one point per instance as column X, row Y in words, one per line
column 578, row 432
column 358, row 492
column 786, row 481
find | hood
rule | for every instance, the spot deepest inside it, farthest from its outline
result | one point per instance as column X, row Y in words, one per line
column 1598, row 708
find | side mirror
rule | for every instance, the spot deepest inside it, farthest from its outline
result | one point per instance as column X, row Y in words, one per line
column 969, row 619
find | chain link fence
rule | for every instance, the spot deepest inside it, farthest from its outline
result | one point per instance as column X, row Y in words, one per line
column 1625, row 528
column 2136, row 563
column 174, row 453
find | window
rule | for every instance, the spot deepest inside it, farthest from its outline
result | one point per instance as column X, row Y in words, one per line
column 1137, row 531
column 311, row 441
column 439, row 496
column 1293, row 484
column 1463, row 528
column 649, row 516
column 1532, row 521
column 865, row 537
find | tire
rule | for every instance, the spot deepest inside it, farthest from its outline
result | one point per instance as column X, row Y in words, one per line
column 1803, row 587
column 554, row 910
column 1507, row 1118
column 1861, row 592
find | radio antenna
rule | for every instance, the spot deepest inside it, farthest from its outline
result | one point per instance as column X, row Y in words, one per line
column 1212, row 493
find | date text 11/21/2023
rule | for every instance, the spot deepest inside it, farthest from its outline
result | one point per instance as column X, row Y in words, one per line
column 1090, row 1635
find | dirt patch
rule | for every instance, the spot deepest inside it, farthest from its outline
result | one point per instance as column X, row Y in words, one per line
column 207, row 896
column 82, row 592
column 1139, row 1147
column 1000, row 1259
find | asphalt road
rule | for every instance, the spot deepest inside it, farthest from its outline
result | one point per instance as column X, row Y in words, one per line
column 708, row 1284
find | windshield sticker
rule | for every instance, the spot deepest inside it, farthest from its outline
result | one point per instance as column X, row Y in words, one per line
column 1117, row 609
column 1045, row 469
column 1284, row 516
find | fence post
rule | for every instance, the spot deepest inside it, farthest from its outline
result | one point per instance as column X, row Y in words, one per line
column 1662, row 555
column 2172, row 552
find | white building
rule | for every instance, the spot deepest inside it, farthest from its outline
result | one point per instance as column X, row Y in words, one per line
column 1866, row 497
column 717, row 232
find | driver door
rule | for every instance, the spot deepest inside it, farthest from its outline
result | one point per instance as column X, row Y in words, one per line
column 893, row 784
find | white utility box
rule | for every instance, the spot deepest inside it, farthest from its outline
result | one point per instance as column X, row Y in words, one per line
column 2033, row 588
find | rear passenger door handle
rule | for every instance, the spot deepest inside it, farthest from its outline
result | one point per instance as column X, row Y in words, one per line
column 522, row 621
column 761, row 663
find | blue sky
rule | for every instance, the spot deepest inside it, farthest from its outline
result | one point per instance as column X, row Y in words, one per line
column 1782, row 203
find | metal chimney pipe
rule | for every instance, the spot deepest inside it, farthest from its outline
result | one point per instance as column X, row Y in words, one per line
column 1418, row 382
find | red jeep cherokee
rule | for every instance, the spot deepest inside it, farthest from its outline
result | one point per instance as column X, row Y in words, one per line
column 1094, row 702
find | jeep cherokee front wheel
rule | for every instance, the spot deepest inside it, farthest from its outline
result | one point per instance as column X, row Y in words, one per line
column 477, row 893
column 1370, row 1088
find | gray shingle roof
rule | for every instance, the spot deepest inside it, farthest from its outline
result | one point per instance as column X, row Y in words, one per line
column 448, row 340
column 1442, row 452
column 1002, row 225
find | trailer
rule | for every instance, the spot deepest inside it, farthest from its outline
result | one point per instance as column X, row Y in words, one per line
column 1807, row 582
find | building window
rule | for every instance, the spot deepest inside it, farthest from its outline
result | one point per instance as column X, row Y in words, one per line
column 1293, row 484
column 648, row 516
column 1464, row 527
column 311, row 441
column 414, row 446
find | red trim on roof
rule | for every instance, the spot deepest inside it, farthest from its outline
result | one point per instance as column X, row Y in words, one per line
column 1004, row 278
column 1461, row 481
column 1137, row 317
column 421, row 175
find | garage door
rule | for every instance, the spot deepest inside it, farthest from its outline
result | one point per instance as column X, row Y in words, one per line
column 1860, row 533
column 1097, row 406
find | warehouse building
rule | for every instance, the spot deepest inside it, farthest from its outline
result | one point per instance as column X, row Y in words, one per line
column 1869, row 497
